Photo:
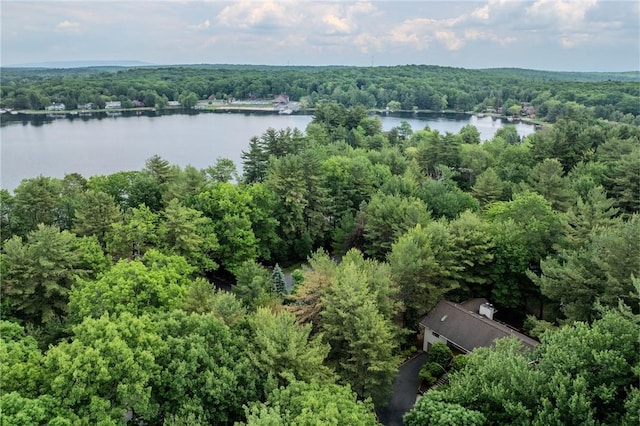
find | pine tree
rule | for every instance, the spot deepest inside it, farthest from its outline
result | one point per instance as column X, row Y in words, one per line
column 277, row 278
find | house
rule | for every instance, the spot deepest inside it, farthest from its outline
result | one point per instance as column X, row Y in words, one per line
column 280, row 101
column 467, row 326
column 173, row 103
column 112, row 105
column 137, row 104
column 88, row 105
column 56, row 106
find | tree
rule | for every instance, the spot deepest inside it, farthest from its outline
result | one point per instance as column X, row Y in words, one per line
column 95, row 214
column 422, row 265
column 489, row 187
column 135, row 234
column 73, row 186
column 302, row 200
column 203, row 298
column 229, row 207
column 204, row 370
column 470, row 134
column 308, row 299
column 224, row 170
column 524, row 231
column 253, row 285
column 106, row 370
column 36, row 201
column 361, row 338
column 473, row 252
column 277, row 278
column 387, row 217
column 312, row 403
column 20, row 361
column 38, row 274
column 159, row 169
column 155, row 283
column 282, row 350
column 185, row 232
column 546, row 179
column 509, row 134
column 430, row 410
column 254, row 162
column 598, row 273
column 594, row 210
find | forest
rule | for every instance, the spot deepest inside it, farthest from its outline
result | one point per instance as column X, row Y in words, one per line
column 610, row 96
column 334, row 241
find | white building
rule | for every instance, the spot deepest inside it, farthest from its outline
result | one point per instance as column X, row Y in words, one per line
column 113, row 105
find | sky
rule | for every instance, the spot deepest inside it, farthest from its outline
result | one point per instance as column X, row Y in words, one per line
column 562, row 35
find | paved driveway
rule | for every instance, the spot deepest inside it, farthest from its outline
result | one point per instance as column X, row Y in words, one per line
column 405, row 389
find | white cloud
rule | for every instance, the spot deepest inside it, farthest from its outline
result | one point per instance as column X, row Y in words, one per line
column 67, row 25
column 247, row 14
column 565, row 13
column 337, row 25
column 572, row 40
column 450, row 39
column 201, row 26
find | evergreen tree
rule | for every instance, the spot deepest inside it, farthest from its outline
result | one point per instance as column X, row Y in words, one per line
column 277, row 278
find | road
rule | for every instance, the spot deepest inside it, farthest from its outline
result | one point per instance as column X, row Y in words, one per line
column 405, row 389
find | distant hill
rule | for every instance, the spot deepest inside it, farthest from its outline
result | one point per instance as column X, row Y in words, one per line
column 565, row 75
column 81, row 64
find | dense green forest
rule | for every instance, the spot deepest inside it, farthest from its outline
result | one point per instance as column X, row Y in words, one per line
column 611, row 96
column 336, row 240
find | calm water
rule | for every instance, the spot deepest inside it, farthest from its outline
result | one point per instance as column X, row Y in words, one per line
column 104, row 145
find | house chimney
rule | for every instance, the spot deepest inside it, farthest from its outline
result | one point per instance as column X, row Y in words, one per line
column 487, row 310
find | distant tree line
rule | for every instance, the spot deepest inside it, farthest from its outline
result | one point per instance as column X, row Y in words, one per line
column 109, row 315
column 553, row 95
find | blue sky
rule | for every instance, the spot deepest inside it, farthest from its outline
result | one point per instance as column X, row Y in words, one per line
column 568, row 35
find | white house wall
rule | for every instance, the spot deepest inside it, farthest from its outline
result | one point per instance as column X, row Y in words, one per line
column 430, row 339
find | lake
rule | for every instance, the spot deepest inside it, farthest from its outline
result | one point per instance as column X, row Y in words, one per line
column 104, row 144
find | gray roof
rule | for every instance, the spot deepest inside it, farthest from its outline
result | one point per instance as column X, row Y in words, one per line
column 464, row 327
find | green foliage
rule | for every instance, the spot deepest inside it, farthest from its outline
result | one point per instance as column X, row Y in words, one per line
column 253, row 285
column 598, row 273
column 155, row 283
column 95, row 214
column 440, row 354
column 35, row 201
column 424, row 268
column 203, row 298
column 204, row 371
column 106, row 370
column 282, row 350
column 185, row 232
column 134, row 235
column 386, row 218
column 20, row 361
column 431, row 410
column 312, row 404
column 277, row 278
column 38, row 274
column 361, row 338
column 229, row 208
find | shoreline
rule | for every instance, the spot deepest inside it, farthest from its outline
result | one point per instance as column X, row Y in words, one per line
column 266, row 109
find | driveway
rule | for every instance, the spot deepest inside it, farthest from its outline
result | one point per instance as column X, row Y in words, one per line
column 405, row 390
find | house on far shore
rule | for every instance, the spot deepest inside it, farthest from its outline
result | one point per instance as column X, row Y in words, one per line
column 88, row 105
column 137, row 104
column 173, row 103
column 56, row 106
column 112, row 105
column 467, row 326
column 280, row 101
